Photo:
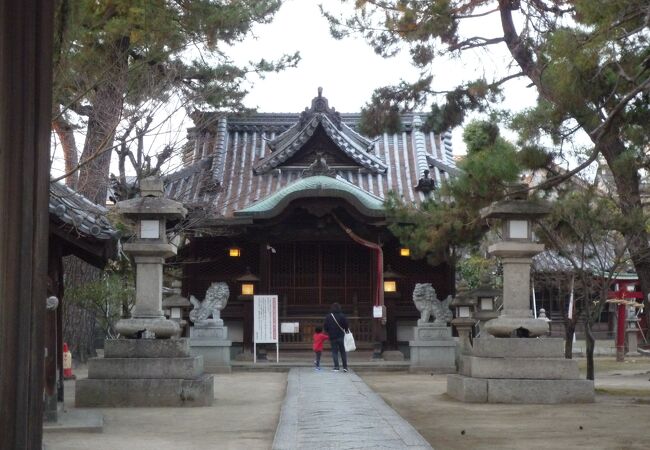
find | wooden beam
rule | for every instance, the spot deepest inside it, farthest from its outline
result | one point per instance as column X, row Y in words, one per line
column 25, row 112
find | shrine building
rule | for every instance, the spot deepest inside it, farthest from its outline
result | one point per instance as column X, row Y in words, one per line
column 293, row 205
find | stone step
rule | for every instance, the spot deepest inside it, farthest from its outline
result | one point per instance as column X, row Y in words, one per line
column 146, row 348
column 184, row 368
column 485, row 390
column 125, row 392
column 521, row 368
column 518, row 347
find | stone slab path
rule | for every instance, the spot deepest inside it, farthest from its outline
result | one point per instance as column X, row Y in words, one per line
column 337, row 410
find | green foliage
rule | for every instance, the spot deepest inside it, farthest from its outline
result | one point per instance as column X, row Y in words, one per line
column 480, row 135
column 153, row 38
column 475, row 268
column 107, row 297
column 438, row 228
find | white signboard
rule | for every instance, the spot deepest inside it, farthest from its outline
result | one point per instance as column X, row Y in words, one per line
column 290, row 327
column 265, row 322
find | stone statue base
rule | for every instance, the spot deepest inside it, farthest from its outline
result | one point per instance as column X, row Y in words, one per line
column 433, row 349
column 519, row 370
column 145, row 372
column 161, row 327
column 209, row 338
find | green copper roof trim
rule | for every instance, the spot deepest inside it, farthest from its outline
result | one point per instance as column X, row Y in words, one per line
column 316, row 186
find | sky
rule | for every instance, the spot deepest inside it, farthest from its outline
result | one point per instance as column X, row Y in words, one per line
column 348, row 70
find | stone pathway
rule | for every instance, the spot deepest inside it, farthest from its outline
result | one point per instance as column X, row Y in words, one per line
column 330, row 410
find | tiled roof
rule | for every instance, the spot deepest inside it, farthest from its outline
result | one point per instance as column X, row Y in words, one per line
column 223, row 152
column 74, row 210
column 347, row 140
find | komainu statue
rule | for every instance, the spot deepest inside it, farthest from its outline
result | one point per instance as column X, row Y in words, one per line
column 426, row 301
column 216, row 298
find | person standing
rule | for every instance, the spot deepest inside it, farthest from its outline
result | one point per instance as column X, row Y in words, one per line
column 336, row 324
column 319, row 339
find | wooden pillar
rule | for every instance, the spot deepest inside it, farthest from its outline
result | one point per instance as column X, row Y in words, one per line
column 391, row 323
column 25, row 113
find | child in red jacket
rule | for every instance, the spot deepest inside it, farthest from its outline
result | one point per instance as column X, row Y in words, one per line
column 319, row 339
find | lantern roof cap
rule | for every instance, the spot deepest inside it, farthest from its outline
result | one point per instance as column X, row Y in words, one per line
column 516, row 209
column 485, row 288
column 175, row 300
column 462, row 297
column 151, row 203
column 248, row 276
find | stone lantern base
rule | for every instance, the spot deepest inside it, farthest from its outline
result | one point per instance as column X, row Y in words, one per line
column 145, row 372
column 519, row 370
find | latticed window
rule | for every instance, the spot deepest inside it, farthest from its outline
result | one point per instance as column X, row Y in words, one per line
column 322, row 273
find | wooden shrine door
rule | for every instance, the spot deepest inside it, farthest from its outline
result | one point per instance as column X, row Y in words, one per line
column 313, row 275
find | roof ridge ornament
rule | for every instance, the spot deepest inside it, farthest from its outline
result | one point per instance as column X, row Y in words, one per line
column 320, row 105
column 319, row 167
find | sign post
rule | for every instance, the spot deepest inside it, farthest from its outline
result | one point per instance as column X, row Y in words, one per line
column 265, row 323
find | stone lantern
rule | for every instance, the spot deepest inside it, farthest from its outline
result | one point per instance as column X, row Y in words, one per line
column 463, row 305
column 147, row 372
column 175, row 306
column 247, row 285
column 485, row 297
column 391, row 283
column 149, row 249
column 516, row 369
column 516, row 251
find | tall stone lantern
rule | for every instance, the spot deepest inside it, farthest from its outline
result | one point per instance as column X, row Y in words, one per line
column 515, row 368
column 149, row 249
column 516, row 251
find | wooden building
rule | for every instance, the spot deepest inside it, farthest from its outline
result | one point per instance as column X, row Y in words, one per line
column 77, row 227
column 293, row 204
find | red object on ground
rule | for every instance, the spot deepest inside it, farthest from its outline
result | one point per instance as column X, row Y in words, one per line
column 67, row 363
column 623, row 292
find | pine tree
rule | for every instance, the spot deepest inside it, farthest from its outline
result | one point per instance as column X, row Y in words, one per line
column 589, row 61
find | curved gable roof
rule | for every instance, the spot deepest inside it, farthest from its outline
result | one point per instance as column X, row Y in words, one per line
column 348, row 141
column 315, row 186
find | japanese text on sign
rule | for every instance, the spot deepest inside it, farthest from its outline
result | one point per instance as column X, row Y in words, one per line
column 265, row 318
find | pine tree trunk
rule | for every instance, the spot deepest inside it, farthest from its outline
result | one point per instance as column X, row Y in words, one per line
column 65, row 132
column 78, row 321
column 591, row 343
column 103, row 120
column 569, row 331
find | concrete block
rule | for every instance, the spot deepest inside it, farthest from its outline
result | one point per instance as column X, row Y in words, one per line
column 433, row 356
column 524, row 368
column 431, row 333
column 540, row 391
column 216, row 332
column 518, row 347
column 185, row 368
column 146, row 348
column 144, row 392
column 465, row 389
column 215, row 354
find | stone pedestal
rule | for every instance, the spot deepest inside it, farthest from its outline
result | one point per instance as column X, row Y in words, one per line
column 632, row 340
column 516, row 258
column 519, row 370
column 145, row 372
column 210, row 340
column 433, row 349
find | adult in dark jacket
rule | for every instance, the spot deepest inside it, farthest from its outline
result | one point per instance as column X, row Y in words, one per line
column 335, row 326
